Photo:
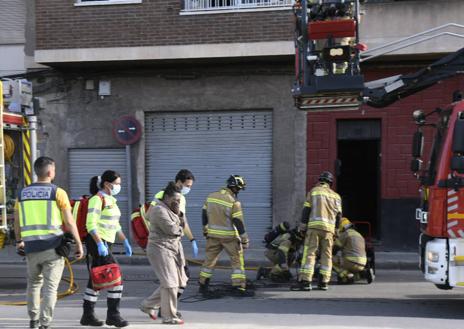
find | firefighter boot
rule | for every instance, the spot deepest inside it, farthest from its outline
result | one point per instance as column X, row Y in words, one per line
column 301, row 286
column 113, row 317
column 262, row 273
column 204, row 288
column 88, row 317
column 242, row 292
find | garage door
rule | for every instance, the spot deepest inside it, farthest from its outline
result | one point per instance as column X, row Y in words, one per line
column 213, row 146
column 86, row 163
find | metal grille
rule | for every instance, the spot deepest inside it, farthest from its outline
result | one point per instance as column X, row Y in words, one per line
column 213, row 146
column 86, row 163
column 200, row 5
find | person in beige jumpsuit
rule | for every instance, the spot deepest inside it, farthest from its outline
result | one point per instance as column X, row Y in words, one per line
column 166, row 256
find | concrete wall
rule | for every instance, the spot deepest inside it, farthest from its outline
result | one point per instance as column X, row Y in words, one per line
column 390, row 21
column 75, row 117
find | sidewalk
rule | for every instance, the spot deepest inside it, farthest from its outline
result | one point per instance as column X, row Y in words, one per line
column 253, row 258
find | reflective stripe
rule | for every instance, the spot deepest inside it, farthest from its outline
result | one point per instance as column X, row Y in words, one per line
column 221, row 228
column 114, row 295
column 307, row 204
column 221, row 202
column 43, row 235
column 357, row 260
column 23, row 218
column 39, row 228
column 222, row 233
column 106, row 217
column 108, row 226
column 49, row 212
column 326, row 194
column 205, row 275
column 93, row 211
column 207, row 270
column 237, row 214
column 238, row 276
column 117, row 288
column 135, row 215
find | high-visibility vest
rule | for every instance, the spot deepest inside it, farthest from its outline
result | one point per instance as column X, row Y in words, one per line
column 105, row 221
column 39, row 215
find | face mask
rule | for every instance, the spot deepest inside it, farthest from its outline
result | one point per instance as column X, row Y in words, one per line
column 116, row 189
column 185, row 190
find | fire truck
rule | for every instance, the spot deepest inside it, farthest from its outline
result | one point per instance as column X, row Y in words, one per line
column 15, row 148
column 328, row 77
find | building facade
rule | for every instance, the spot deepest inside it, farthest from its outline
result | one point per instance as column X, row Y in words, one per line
column 210, row 82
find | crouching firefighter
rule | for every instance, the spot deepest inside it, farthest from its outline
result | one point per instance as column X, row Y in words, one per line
column 351, row 265
column 224, row 229
column 282, row 252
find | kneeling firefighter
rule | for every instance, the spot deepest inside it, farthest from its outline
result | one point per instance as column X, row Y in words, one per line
column 282, row 251
column 351, row 265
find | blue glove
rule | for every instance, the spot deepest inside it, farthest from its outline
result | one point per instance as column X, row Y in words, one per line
column 102, row 249
column 195, row 248
column 127, row 248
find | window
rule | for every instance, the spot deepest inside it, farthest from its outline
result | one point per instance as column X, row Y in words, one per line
column 205, row 5
column 104, row 2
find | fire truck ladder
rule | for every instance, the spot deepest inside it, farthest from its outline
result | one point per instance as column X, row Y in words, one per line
column 3, row 219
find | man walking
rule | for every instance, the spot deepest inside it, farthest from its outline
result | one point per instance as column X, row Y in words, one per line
column 40, row 211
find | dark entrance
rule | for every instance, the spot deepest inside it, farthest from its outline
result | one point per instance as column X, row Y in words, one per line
column 358, row 180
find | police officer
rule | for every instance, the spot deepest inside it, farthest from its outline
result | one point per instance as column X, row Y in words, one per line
column 40, row 211
column 224, row 228
column 321, row 214
column 352, row 262
column 103, row 226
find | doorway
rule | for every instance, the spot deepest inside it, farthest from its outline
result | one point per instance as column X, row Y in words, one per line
column 358, row 174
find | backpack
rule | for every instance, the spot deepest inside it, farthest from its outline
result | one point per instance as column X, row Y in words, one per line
column 79, row 211
column 140, row 225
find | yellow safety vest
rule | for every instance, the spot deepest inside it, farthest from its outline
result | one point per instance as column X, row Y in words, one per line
column 39, row 215
column 106, row 221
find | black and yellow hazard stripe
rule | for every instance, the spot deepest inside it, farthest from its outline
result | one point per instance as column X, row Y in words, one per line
column 27, row 153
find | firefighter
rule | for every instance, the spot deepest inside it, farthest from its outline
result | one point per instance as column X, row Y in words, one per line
column 281, row 251
column 40, row 211
column 351, row 265
column 321, row 214
column 224, row 229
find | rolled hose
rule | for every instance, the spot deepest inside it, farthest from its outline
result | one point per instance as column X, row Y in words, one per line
column 72, row 286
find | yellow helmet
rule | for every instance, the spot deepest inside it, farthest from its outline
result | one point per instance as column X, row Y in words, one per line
column 236, row 181
column 344, row 224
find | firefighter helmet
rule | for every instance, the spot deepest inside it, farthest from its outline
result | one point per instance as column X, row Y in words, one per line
column 326, row 176
column 345, row 224
column 236, row 181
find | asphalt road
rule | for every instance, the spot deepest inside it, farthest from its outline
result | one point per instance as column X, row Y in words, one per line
column 397, row 299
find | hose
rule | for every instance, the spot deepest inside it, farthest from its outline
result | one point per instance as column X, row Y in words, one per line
column 72, row 286
column 9, row 147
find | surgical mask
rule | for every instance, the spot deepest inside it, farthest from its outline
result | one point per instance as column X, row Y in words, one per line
column 116, row 189
column 185, row 190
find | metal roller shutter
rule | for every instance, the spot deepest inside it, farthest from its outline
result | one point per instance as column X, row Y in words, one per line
column 86, row 163
column 213, row 146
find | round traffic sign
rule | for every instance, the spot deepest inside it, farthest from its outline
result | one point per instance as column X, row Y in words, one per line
column 127, row 130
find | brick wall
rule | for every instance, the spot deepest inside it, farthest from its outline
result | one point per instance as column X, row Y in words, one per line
column 154, row 22
column 397, row 131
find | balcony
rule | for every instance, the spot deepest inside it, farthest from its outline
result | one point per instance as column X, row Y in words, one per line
column 222, row 6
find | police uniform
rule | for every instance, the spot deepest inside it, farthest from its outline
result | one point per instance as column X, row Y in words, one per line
column 224, row 228
column 39, row 207
column 325, row 205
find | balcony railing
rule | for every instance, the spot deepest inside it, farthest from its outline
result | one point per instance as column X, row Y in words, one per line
column 206, row 5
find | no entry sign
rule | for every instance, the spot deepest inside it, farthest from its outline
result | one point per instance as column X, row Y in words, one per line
column 127, row 130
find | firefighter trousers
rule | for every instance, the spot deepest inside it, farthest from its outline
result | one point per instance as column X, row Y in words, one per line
column 345, row 268
column 234, row 249
column 316, row 240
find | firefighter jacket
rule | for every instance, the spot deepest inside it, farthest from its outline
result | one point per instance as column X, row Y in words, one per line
column 325, row 206
column 224, row 216
column 40, row 216
column 353, row 246
column 104, row 221
column 182, row 208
